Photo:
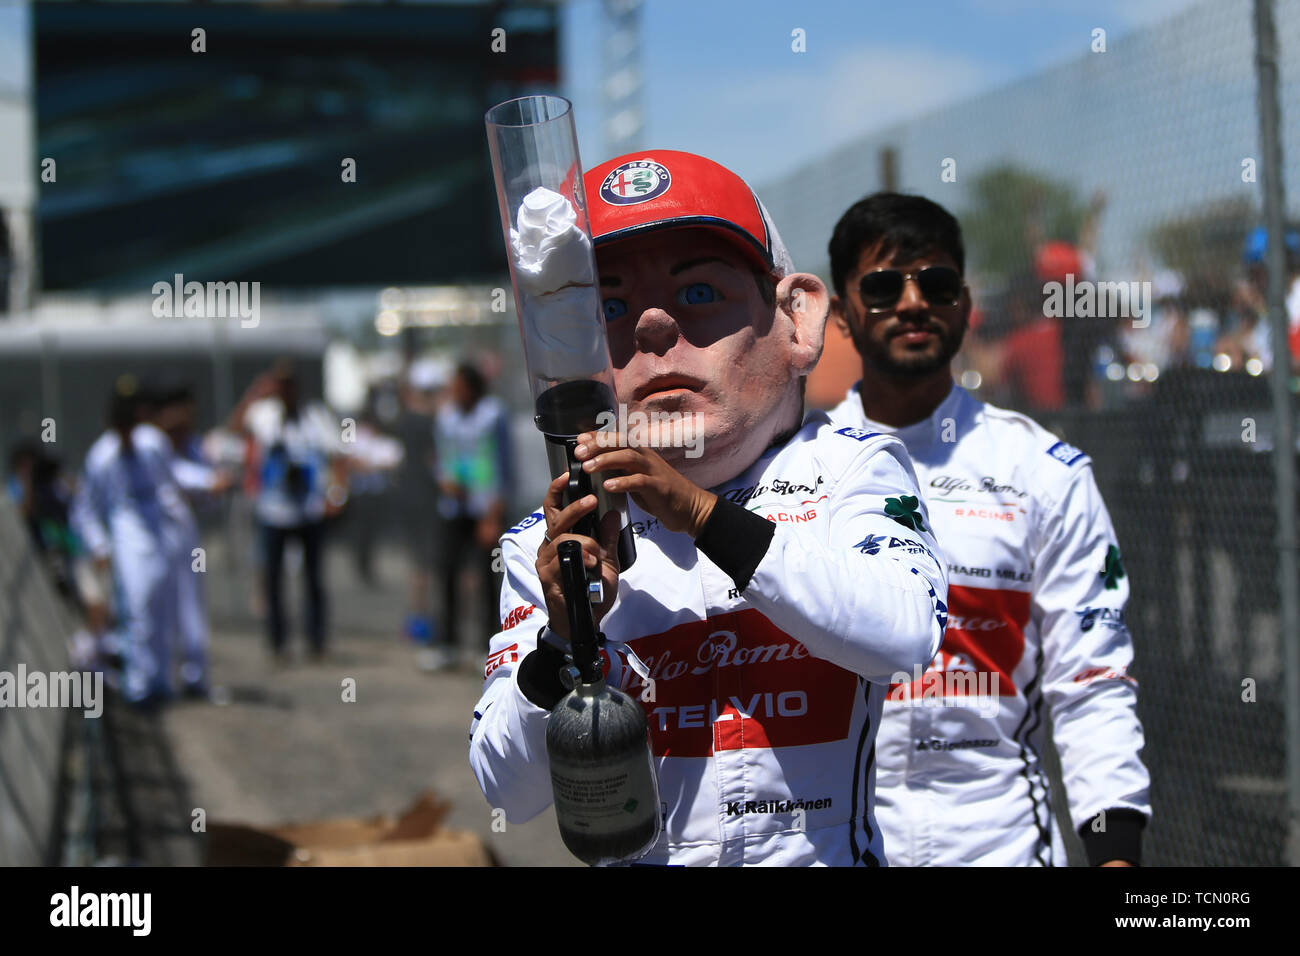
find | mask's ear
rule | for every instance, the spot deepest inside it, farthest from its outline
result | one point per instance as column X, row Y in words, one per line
column 805, row 300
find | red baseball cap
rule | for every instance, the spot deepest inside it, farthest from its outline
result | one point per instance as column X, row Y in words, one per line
column 668, row 189
column 1054, row 260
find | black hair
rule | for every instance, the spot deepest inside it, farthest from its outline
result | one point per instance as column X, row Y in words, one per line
column 474, row 378
column 159, row 391
column 24, row 448
column 908, row 226
column 124, row 409
column 177, row 394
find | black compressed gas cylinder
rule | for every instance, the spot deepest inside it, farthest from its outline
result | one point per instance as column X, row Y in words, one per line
column 603, row 775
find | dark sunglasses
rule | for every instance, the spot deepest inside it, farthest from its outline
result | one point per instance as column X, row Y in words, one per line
column 881, row 290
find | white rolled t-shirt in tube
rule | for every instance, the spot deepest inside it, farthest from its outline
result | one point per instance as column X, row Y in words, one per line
column 555, row 269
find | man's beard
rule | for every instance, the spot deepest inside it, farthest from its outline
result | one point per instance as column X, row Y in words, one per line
column 878, row 357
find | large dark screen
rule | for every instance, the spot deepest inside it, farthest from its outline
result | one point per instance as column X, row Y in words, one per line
column 226, row 164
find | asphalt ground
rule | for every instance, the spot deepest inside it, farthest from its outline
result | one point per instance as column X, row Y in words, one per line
column 285, row 747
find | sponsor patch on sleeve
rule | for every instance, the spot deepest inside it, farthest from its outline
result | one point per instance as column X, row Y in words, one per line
column 507, row 655
column 527, row 523
column 859, row 434
column 873, row 543
column 1065, row 454
column 1102, row 673
column 517, row 616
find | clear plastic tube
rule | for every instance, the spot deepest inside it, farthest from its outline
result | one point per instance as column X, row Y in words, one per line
column 534, row 149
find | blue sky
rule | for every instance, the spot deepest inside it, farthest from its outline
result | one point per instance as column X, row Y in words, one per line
column 14, row 20
column 721, row 78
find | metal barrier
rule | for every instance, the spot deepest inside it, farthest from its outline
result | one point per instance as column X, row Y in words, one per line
column 34, row 627
column 1192, row 507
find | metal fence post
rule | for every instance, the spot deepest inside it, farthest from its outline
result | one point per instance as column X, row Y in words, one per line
column 1284, row 426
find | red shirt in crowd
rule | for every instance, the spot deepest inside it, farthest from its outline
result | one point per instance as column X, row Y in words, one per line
column 1032, row 364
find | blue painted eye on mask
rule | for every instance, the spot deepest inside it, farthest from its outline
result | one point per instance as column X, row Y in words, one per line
column 698, row 293
column 614, row 309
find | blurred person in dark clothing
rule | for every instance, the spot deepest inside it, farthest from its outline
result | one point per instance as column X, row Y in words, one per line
column 375, row 455
column 1165, row 340
column 417, row 497
column 1250, row 334
column 6, row 263
column 43, row 498
column 298, row 448
column 1207, row 299
column 475, row 481
column 1246, row 334
column 1081, row 336
column 178, row 422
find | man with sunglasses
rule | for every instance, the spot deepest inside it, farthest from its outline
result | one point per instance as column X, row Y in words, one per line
column 1037, row 587
column 781, row 575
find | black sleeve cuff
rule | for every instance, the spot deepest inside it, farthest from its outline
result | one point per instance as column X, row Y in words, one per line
column 539, row 674
column 735, row 540
column 1121, row 840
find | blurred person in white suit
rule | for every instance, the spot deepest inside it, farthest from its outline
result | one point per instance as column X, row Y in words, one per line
column 167, row 413
column 119, row 515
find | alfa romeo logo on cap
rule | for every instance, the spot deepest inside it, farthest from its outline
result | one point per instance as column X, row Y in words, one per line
column 635, row 182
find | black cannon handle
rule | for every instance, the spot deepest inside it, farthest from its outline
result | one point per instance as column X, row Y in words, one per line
column 584, row 643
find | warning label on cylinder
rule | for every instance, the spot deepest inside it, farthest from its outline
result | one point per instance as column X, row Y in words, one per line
column 596, row 801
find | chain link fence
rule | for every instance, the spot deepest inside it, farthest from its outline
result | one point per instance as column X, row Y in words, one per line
column 1130, row 175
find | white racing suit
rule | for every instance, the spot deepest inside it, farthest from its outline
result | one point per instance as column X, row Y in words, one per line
column 181, row 531
column 768, row 676
column 119, row 514
column 1036, row 617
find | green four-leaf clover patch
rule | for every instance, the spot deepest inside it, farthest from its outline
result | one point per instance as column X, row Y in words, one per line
column 904, row 510
column 1113, row 570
